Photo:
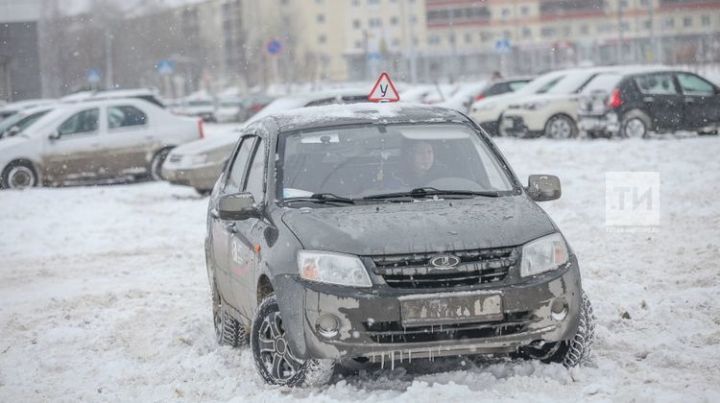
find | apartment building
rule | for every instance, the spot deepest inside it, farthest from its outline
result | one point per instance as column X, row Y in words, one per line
column 19, row 50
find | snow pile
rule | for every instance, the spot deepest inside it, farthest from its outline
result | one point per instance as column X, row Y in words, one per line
column 104, row 296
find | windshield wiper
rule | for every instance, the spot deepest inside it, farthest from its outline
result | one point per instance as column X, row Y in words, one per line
column 322, row 198
column 431, row 191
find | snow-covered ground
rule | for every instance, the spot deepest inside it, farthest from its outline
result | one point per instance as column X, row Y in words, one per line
column 104, row 297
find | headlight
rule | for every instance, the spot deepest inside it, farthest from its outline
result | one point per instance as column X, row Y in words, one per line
column 531, row 106
column 332, row 268
column 544, row 254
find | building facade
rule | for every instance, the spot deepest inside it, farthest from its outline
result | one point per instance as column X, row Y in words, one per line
column 20, row 76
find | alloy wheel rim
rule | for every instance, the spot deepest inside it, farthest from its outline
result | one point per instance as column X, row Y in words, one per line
column 560, row 129
column 635, row 128
column 21, row 177
column 275, row 352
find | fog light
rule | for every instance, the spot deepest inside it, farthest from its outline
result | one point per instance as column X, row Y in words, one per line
column 327, row 326
column 559, row 309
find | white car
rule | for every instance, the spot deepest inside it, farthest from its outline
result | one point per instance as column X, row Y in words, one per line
column 554, row 113
column 96, row 140
column 488, row 112
column 139, row 93
column 12, row 108
column 198, row 164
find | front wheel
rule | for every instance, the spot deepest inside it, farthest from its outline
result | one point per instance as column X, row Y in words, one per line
column 19, row 175
column 576, row 350
column 273, row 357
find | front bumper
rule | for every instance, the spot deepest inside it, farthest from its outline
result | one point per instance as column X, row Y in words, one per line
column 370, row 320
column 202, row 177
column 606, row 125
column 516, row 126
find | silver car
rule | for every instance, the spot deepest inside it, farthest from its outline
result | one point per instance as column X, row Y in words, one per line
column 92, row 141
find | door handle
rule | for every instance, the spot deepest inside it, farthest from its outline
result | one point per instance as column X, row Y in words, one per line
column 648, row 99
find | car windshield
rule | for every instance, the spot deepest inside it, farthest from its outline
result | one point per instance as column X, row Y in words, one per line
column 21, row 121
column 368, row 161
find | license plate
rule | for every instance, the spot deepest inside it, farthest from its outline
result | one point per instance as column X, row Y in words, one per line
column 450, row 308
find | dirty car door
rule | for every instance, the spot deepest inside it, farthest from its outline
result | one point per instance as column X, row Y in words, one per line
column 245, row 250
column 128, row 140
column 73, row 153
column 227, row 248
column 661, row 99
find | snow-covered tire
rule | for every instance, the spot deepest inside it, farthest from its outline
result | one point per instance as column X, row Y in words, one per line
column 228, row 331
column 19, row 175
column 576, row 351
column 635, row 124
column 157, row 162
column 561, row 127
column 274, row 361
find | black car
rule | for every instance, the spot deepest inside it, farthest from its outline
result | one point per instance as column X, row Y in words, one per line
column 655, row 100
column 386, row 233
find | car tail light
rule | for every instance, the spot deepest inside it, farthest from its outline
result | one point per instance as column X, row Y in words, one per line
column 201, row 128
column 615, row 101
column 480, row 97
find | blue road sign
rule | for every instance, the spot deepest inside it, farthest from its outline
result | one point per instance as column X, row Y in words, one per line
column 93, row 76
column 165, row 67
column 274, row 47
column 503, row 45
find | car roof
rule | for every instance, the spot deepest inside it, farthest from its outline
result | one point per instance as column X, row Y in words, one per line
column 108, row 94
column 362, row 113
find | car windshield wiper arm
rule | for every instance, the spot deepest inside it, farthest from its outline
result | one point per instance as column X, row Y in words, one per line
column 431, row 191
column 323, row 198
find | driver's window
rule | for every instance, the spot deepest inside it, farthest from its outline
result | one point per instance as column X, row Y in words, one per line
column 81, row 122
column 236, row 176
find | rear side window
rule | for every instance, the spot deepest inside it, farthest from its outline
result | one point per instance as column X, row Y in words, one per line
column 496, row 89
column 81, row 122
column 125, row 116
column 656, row 84
column 238, row 169
column 694, row 85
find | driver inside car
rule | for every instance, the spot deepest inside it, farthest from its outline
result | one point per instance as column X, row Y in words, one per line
column 417, row 168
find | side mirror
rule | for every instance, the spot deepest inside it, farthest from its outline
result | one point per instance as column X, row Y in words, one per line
column 239, row 206
column 54, row 135
column 544, row 187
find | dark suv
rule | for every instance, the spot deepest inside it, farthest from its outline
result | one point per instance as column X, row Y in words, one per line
column 655, row 100
column 386, row 233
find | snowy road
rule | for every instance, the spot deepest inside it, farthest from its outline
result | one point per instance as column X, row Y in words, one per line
column 103, row 294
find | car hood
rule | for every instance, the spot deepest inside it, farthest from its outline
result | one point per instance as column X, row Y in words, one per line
column 7, row 143
column 208, row 145
column 425, row 226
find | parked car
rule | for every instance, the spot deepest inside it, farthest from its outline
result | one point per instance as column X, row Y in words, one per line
column 253, row 104
column 198, row 164
column 391, row 232
column 203, row 108
column 14, row 107
column 93, row 140
column 636, row 103
column 18, row 122
column 228, row 109
column 140, row 93
column 488, row 112
column 468, row 93
column 554, row 113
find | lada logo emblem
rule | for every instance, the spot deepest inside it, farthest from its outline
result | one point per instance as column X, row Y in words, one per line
column 445, row 261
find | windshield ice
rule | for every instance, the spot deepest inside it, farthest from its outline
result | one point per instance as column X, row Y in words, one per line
column 360, row 161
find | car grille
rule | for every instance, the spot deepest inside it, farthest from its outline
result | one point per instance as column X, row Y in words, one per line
column 394, row 332
column 414, row 271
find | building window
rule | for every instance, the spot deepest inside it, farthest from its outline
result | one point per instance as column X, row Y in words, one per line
column 584, row 29
column 505, row 13
column 669, row 23
column 687, row 22
column 356, row 24
column 393, row 20
column 705, row 20
column 468, row 38
column 548, row 32
column 373, row 2
column 434, row 40
column 525, row 10
column 527, row 32
column 320, row 18
column 322, row 39
column 374, row 22
column 358, row 44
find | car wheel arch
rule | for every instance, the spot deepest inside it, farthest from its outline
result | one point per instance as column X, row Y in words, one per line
column 264, row 288
column 34, row 165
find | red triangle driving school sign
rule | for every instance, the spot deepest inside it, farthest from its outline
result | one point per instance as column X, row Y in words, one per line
column 384, row 90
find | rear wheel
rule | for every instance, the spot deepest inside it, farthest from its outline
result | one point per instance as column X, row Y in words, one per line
column 19, row 175
column 635, row 124
column 228, row 331
column 561, row 127
column 274, row 359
